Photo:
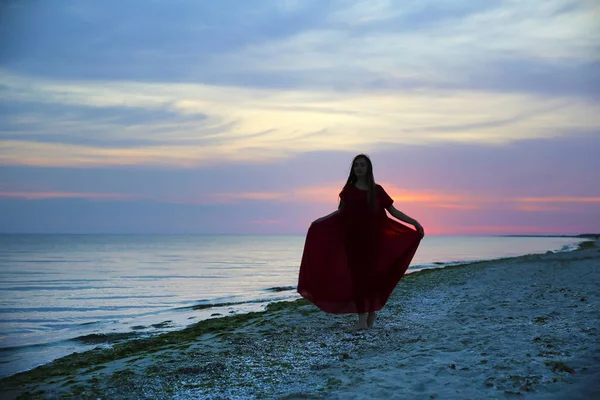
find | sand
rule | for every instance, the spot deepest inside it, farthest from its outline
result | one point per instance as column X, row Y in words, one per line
column 525, row 327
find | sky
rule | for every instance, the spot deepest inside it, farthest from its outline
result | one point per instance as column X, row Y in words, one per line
column 481, row 117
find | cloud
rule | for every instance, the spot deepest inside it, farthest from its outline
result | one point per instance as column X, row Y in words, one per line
column 101, row 127
column 346, row 76
column 82, row 215
column 140, row 40
column 268, row 196
column 478, row 113
column 560, row 199
column 503, row 230
column 267, row 222
column 338, row 45
column 69, row 195
column 563, row 166
column 203, row 123
column 464, row 46
column 327, row 195
column 536, row 208
column 167, row 202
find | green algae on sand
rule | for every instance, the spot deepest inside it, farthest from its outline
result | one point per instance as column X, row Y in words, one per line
column 77, row 362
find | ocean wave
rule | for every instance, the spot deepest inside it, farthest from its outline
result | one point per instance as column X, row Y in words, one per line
column 280, row 288
column 29, row 288
column 233, row 303
column 72, row 309
column 106, row 338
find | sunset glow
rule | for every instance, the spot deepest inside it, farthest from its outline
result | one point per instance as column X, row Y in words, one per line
column 480, row 119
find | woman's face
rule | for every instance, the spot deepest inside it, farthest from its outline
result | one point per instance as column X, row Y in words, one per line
column 360, row 167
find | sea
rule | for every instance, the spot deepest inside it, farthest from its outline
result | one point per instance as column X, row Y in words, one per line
column 65, row 293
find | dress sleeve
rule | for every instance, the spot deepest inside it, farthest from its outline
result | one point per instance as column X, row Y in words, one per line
column 384, row 199
column 343, row 193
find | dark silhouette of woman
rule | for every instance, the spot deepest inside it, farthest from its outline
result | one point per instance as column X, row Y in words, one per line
column 354, row 257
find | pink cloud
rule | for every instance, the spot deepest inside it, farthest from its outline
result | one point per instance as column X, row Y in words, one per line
column 536, row 208
column 499, row 230
column 267, row 221
column 560, row 199
column 59, row 195
column 320, row 194
column 249, row 196
column 442, row 213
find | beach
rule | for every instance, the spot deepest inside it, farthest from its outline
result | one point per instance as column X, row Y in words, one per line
column 522, row 327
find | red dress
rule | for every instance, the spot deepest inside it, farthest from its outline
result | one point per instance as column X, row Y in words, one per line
column 353, row 260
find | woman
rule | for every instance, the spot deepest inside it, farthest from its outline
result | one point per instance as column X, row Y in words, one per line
column 354, row 257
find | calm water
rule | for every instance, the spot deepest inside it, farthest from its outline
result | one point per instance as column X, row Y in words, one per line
column 57, row 289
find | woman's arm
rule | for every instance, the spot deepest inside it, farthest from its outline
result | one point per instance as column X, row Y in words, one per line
column 332, row 214
column 405, row 218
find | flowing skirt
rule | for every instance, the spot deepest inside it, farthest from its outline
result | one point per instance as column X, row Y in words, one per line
column 353, row 266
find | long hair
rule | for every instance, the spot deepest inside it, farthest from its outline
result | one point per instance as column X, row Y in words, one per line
column 352, row 178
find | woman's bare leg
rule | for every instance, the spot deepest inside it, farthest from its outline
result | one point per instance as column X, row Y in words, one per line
column 362, row 323
column 371, row 319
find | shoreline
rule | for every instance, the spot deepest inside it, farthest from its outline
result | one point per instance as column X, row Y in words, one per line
column 169, row 320
column 210, row 311
column 312, row 341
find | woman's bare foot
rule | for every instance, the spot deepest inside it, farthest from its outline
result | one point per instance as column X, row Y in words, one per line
column 371, row 319
column 359, row 327
column 361, row 324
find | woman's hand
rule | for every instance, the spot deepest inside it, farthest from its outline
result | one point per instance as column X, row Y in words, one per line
column 325, row 217
column 405, row 218
column 419, row 229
